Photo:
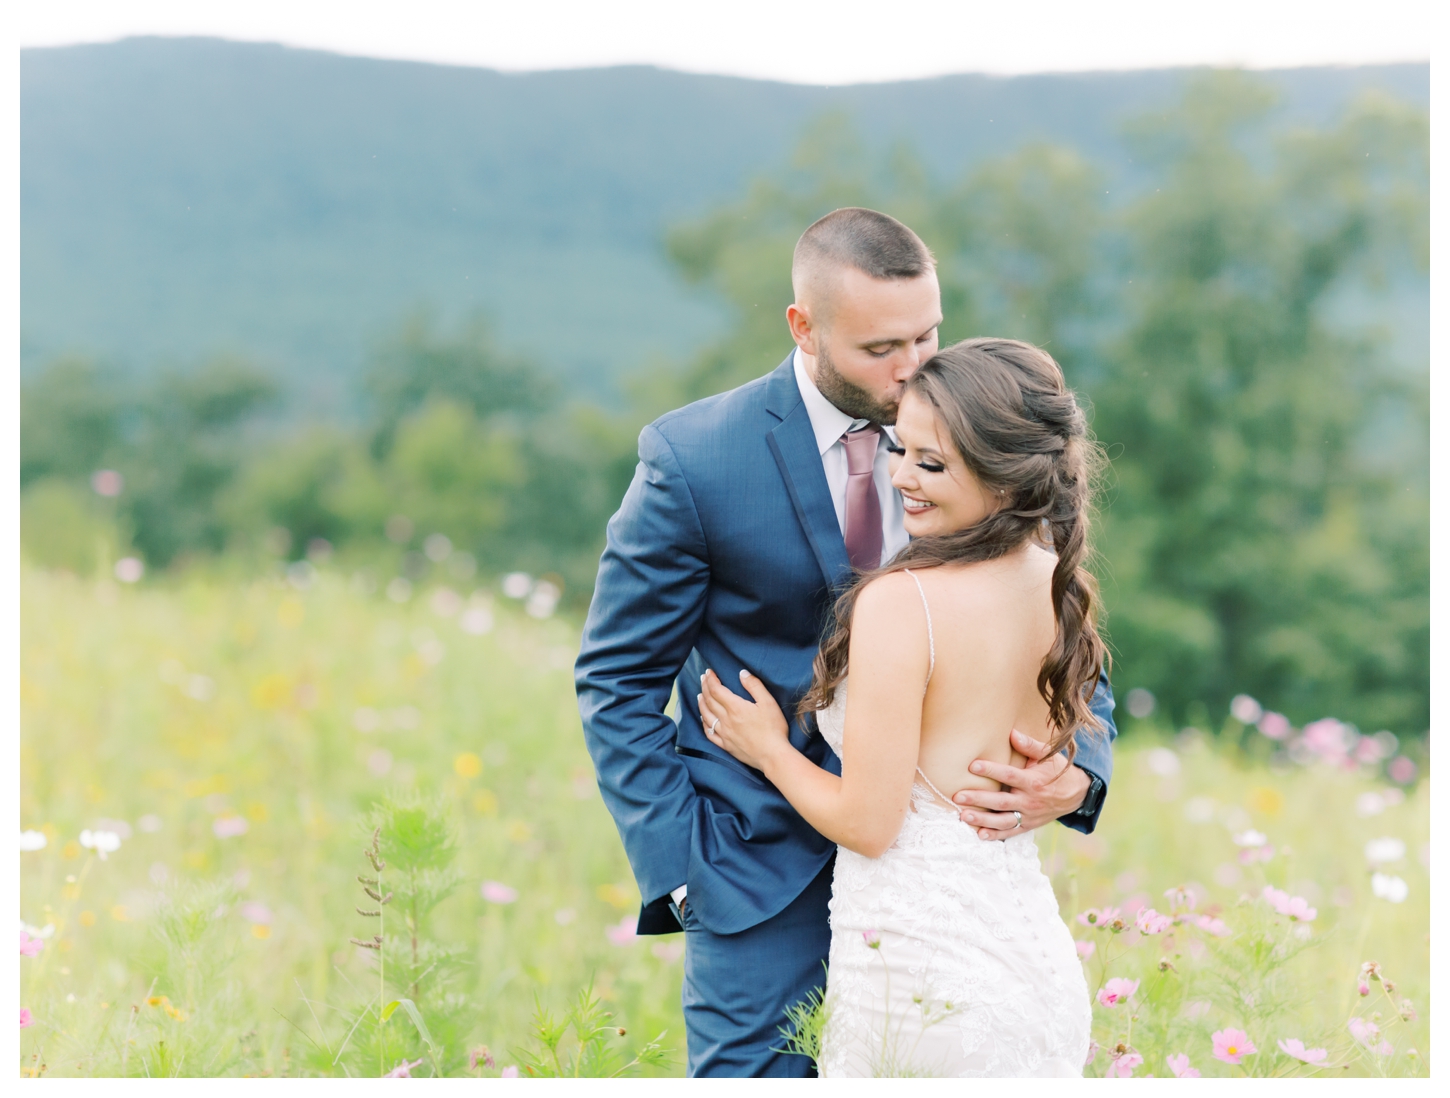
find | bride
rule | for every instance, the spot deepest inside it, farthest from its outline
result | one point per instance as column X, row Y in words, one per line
column 948, row 955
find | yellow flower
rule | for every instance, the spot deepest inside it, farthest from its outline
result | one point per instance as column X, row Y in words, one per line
column 468, row 765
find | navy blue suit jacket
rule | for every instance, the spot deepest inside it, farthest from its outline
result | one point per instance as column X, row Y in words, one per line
column 725, row 554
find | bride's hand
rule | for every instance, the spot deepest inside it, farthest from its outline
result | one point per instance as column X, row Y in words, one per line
column 751, row 731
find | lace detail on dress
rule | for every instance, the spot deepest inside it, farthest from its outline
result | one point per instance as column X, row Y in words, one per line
column 975, row 974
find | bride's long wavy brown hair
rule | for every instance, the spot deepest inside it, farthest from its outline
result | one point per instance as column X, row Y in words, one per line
column 1021, row 432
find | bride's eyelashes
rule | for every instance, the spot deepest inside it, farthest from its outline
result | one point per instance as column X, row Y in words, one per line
column 928, row 466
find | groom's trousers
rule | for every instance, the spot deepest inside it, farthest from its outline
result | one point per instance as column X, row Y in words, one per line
column 738, row 986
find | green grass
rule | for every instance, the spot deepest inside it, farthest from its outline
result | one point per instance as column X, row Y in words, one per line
column 160, row 961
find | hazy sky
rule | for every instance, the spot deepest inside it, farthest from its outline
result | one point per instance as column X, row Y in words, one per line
column 806, row 41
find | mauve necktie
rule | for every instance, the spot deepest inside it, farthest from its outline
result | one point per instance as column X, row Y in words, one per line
column 863, row 506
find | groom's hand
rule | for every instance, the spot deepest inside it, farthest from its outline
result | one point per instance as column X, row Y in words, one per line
column 1047, row 788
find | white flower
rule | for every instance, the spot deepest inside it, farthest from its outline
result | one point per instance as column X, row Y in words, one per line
column 45, row 931
column 1384, row 851
column 1163, row 761
column 32, row 840
column 1245, row 709
column 102, row 842
column 1251, row 838
column 1388, row 887
column 1369, row 804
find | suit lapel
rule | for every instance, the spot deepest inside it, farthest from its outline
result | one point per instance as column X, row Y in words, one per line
column 793, row 444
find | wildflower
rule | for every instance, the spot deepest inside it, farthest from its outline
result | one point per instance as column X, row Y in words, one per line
column 1085, row 949
column 1295, row 907
column 403, row 1070
column 1181, row 898
column 228, row 827
column 1363, row 988
column 1098, row 917
column 1092, row 1053
column 1294, row 1047
column 30, row 947
column 1275, row 726
column 257, row 913
column 1117, row 990
column 495, row 892
column 1384, row 851
column 622, row 933
column 1232, row 1045
column 26, row 1019
column 1125, row 1060
column 102, row 842
column 1250, row 855
column 509, row 1072
column 1150, row 922
column 1369, row 804
column 1250, row 838
column 480, row 1055
column 872, row 938
column 32, row 840
column 1217, row 927
column 1370, row 970
column 1245, row 709
column 1367, row 1034
column 1181, row 1068
column 1164, row 762
column 1401, row 770
column 1389, row 887
column 1407, row 1010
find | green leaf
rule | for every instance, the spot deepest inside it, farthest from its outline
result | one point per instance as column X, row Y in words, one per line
column 388, row 1010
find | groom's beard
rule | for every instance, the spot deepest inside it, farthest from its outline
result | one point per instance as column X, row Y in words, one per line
column 849, row 397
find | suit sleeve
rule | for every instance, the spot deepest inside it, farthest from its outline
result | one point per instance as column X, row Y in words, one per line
column 1095, row 754
column 648, row 603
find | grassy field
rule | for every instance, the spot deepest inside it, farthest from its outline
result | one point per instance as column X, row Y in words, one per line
column 235, row 735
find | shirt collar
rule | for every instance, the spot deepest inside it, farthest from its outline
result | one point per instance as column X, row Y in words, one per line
column 828, row 422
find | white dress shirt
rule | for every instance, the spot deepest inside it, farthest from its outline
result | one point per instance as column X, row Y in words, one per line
column 829, row 423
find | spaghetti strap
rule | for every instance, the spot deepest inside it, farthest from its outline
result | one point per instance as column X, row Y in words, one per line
column 930, row 637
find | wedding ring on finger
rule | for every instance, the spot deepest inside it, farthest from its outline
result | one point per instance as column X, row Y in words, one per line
column 716, row 724
column 1019, row 819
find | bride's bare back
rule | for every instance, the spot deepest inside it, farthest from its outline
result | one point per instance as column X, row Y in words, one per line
column 993, row 625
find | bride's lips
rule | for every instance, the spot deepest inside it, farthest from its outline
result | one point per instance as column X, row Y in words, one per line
column 916, row 506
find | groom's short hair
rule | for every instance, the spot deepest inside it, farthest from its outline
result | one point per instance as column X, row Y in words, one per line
column 876, row 244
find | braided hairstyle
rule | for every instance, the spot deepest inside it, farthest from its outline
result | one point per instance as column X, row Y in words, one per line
column 1020, row 431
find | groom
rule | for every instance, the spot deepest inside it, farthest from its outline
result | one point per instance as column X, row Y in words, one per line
column 747, row 515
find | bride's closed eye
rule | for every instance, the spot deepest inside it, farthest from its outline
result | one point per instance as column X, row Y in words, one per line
column 927, row 466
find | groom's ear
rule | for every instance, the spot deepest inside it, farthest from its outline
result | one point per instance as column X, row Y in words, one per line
column 802, row 327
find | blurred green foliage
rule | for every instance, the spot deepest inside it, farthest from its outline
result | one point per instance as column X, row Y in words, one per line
column 1265, row 529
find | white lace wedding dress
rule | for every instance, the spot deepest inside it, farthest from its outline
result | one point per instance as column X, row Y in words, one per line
column 974, row 972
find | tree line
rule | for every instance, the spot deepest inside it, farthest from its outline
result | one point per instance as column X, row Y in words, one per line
column 1265, row 525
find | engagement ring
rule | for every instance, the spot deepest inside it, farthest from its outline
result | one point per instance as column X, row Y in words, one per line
column 716, row 724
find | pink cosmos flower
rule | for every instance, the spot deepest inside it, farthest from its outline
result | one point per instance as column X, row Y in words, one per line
column 1092, row 1053
column 496, row 892
column 228, row 827
column 402, row 1070
column 1275, row 725
column 1217, row 927
column 1117, row 990
column 509, row 1072
column 1367, row 1034
column 1296, row 907
column 1181, row 1068
column 480, row 1055
column 1122, row 1066
column 1252, row 854
column 1094, row 916
column 1150, row 922
column 623, row 932
column 1085, row 949
column 30, row 947
column 26, row 1019
column 872, row 938
column 1181, row 899
column 1294, row 1047
column 1232, row 1045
